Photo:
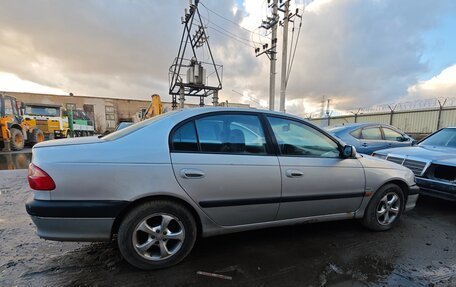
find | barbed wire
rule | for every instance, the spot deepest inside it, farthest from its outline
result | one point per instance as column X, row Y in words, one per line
column 421, row 104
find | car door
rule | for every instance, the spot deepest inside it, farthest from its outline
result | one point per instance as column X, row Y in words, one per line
column 315, row 179
column 395, row 139
column 371, row 140
column 225, row 165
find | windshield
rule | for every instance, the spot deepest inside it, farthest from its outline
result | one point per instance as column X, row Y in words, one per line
column 42, row 111
column 444, row 138
column 135, row 127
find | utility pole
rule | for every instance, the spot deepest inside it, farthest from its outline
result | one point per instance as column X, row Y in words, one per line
column 271, row 23
column 283, row 75
column 272, row 75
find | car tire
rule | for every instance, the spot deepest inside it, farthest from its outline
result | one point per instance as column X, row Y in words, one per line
column 36, row 136
column 385, row 208
column 157, row 234
column 17, row 139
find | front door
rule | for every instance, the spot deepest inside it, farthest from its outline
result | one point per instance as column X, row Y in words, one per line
column 315, row 179
column 224, row 164
column 395, row 139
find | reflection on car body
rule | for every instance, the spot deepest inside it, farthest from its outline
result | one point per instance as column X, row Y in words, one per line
column 369, row 137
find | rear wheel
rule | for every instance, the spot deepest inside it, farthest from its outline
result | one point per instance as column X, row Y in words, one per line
column 385, row 208
column 157, row 234
column 17, row 139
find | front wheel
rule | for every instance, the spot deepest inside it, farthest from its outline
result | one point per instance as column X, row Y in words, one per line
column 385, row 208
column 157, row 234
column 17, row 139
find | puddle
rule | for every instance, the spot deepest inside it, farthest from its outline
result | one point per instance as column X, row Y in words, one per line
column 10, row 161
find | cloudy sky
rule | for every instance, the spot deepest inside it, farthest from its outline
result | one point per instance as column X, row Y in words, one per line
column 356, row 52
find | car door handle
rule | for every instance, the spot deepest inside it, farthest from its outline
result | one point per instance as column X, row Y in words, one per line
column 191, row 173
column 294, row 173
column 364, row 144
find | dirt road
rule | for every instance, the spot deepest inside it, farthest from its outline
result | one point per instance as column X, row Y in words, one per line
column 420, row 251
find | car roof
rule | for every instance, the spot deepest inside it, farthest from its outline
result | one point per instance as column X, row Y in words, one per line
column 189, row 112
column 352, row 126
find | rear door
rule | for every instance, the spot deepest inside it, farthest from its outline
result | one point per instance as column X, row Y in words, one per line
column 223, row 162
column 371, row 140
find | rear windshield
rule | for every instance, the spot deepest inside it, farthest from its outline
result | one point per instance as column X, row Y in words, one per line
column 135, row 127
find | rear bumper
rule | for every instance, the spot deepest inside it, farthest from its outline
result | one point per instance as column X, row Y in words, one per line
column 73, row 229
column 74, row 220
column 436, row 188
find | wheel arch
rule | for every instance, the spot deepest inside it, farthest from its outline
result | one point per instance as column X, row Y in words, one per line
column 402, row 184
column 399, row 182
column 16, row 126
column 139, row 201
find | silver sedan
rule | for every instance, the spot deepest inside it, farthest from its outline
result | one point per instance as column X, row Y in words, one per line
column 157, row 185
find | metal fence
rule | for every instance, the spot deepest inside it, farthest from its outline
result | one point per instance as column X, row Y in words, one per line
column 415, row 121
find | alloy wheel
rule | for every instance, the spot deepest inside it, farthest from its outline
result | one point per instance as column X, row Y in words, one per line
column 388, row 208
column 158, row 237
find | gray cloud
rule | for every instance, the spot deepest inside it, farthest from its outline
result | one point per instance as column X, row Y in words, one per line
column 354, row 51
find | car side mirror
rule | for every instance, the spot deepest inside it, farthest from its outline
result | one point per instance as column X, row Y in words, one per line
column 349, row 151
column 402, row 139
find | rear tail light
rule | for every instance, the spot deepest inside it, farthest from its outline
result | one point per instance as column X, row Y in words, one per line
column 38, row 179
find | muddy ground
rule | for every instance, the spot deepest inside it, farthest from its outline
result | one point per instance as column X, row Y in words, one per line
column 420, row 251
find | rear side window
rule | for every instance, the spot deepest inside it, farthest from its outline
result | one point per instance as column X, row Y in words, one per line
column 371, row 134
column 184, row 138
column 356, row 133
column 239, row 134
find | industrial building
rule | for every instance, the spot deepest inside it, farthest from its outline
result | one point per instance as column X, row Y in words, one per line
column 105, row 113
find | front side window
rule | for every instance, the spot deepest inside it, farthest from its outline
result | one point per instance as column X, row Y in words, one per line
column 238, row 134
column 391, row 135
column 371, row 134
column 298, row 139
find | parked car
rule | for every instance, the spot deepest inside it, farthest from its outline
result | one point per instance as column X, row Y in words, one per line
column 433, row 161
column 158, row 184
column 369, row 137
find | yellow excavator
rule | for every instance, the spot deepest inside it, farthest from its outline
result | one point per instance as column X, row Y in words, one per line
column 155, row 108
column 15, row 132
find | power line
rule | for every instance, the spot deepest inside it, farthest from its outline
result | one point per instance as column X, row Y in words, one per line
column 231, row 21
column 234, row 38
column 296, row 45
column 240, row 40
column 229, row 32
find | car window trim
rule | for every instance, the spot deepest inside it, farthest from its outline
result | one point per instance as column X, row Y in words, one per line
column 277, row 148
column 269, row 147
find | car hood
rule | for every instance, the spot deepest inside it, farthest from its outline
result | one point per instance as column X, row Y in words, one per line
column 424, row 152
column 69, row 141
column 372, row 162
